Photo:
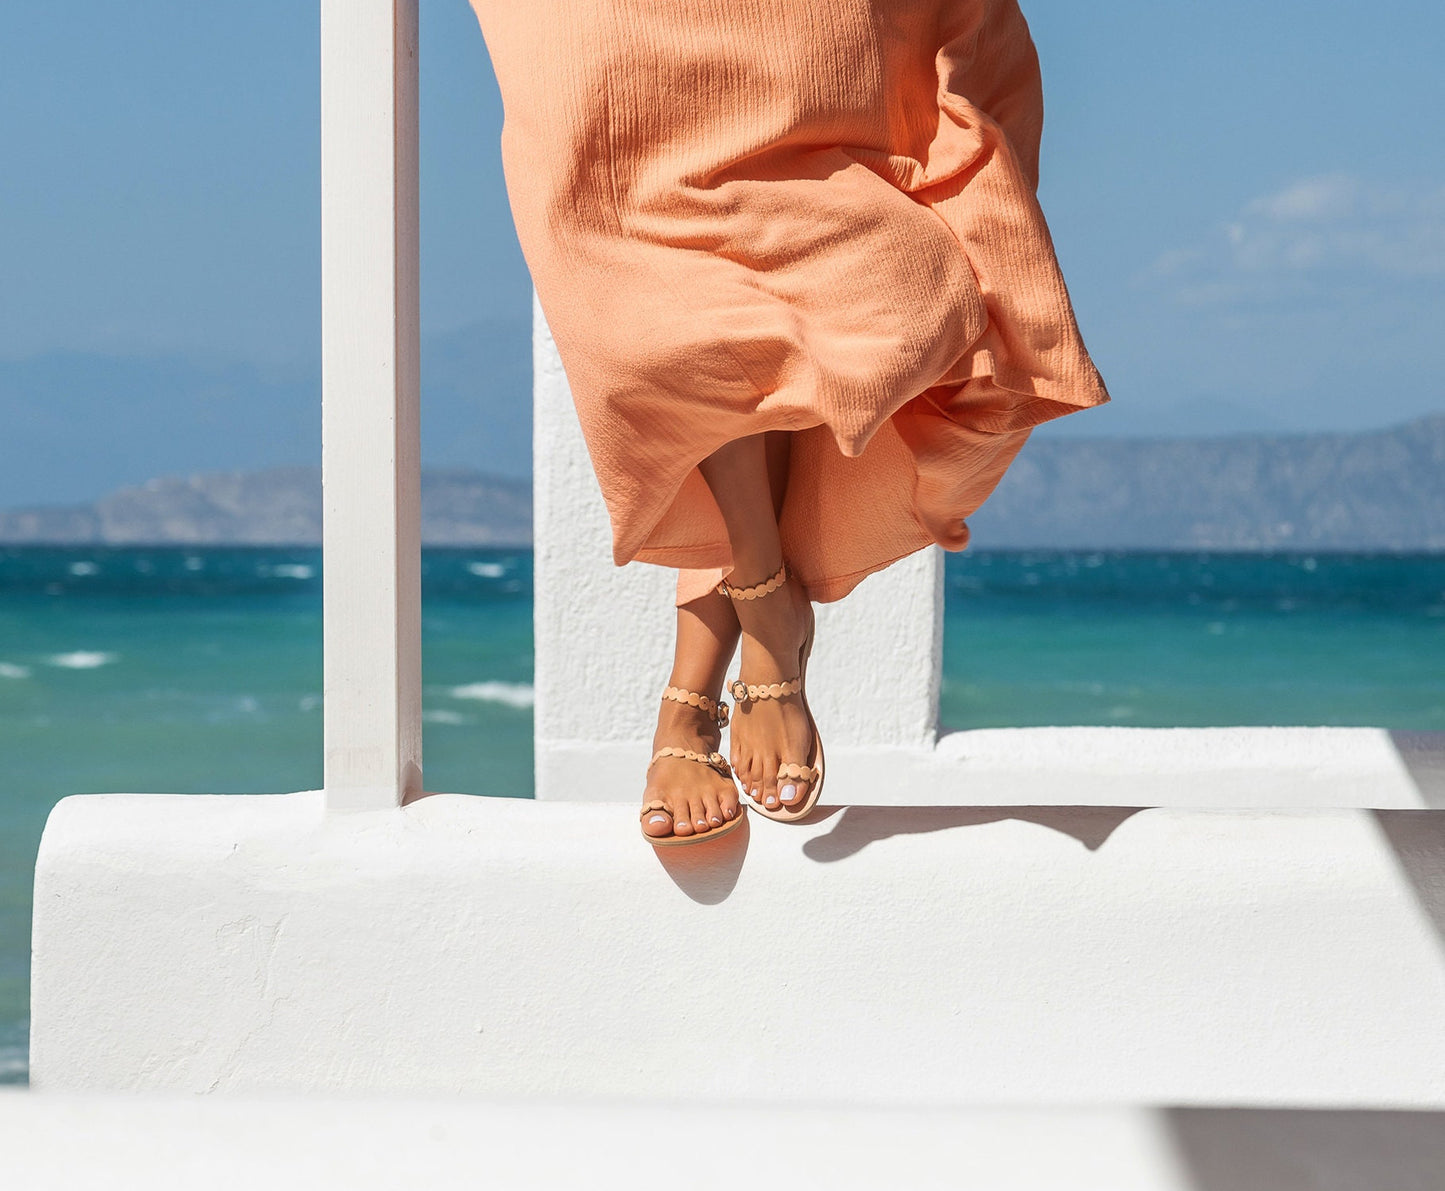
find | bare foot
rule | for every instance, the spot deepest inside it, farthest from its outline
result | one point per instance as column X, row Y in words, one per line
column 767, row 732
column 697, row 796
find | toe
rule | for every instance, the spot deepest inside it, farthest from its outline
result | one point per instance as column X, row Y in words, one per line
column 681, row 824
column 657, row 823
column 728, row 802
column 792, row 791
column 770, row 790
column 712, row 809
column 698, row 813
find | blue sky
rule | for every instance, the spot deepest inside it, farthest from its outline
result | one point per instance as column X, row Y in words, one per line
column 1248, row 199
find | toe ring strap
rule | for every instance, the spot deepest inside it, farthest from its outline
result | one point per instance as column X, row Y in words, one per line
column 806, row 773
column 715, row 760
column 653, row 807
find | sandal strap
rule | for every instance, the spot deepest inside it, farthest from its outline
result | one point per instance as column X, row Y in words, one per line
column 716, row 760
column 652, row 807
column 715, row 708
column 757, row 591
column 747, row 692
column 807, row 773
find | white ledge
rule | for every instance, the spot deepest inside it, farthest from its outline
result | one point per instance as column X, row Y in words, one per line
column 360, row 1143
column 951, row 956
column 1258, row 767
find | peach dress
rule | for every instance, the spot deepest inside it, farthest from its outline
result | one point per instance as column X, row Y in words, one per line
column 805, row 215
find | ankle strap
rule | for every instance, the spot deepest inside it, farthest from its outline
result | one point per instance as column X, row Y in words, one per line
column 758, row 591
column 746, row 692
column 709, row 706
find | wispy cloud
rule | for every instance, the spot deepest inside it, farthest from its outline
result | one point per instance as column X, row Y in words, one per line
column 1315, row 236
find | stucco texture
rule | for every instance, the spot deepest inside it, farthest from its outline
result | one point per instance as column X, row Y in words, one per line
column 816, row 218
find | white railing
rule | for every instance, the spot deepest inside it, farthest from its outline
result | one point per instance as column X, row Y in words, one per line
column 370, row 438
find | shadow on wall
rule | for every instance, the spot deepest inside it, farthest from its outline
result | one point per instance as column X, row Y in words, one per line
column 1423, row 755
column 1254, row 1150
column 708, row 873
column 859, row 826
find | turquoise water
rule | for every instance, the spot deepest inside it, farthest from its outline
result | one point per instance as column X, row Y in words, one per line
column 190, row 669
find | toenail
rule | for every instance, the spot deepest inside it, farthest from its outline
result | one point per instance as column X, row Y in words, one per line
column 715, row 821
column 658, row 819
column 772, row 800
column 789, row 793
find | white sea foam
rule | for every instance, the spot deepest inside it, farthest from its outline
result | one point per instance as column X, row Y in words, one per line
column 292, row 570
column 513, row 694
column 309, row 702
column 11, row 670
column 488, row 570
column 83, row 568
column 193, row 563
column 82, row 659
column 443, row 717
column 14, row 1064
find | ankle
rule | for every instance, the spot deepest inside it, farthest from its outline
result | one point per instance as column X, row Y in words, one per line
column 751, row 570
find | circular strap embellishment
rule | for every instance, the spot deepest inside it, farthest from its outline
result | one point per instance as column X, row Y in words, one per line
column 758, row 591
column 797, row 772
column 746, row 692
column 716, row 760
column 715, row 708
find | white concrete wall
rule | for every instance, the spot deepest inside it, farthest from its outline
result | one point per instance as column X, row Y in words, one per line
column 947, row 956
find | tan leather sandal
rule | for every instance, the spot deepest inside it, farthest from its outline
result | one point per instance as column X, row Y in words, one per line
column 745, row 692
column 718, row 710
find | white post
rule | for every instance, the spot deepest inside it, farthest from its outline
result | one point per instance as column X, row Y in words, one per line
column 369, row 406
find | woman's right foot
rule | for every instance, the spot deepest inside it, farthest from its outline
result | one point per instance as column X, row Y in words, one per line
column 697, row 797
column 770, row 731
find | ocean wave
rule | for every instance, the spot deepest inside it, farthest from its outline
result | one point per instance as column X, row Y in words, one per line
column 82, row 659
column 487, row 570
column 443, row 717
column 11, row 670
column 14, row 1064
column 84, row 568
column 288, row 570
column 512, row 694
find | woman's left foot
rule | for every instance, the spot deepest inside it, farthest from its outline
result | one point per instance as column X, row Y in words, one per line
column 772, row 728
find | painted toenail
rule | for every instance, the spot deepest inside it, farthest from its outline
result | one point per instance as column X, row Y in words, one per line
column 715, row 821
column 789, row 793
column 772, row 800
column 658, row 819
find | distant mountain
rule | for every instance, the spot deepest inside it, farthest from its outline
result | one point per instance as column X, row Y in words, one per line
column 1374, row 490
column 278, row 506
column 76, row 425
column 1380, row 490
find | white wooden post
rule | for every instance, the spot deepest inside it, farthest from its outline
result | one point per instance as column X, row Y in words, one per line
column 370, row 417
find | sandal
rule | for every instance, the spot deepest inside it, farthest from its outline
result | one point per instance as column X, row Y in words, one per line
column 744, row 692
column 719, row 712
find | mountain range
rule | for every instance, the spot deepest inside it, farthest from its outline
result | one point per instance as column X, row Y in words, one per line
column 1375, row 490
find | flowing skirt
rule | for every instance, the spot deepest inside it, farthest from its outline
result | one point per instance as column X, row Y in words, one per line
column 807, row 215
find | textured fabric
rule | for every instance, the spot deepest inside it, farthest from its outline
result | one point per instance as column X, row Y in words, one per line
column 806, row 215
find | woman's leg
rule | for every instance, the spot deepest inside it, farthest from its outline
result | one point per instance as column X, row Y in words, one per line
column 748, row 479
column 699, row 798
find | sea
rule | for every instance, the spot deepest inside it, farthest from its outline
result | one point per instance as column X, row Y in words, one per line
column 191, row 669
